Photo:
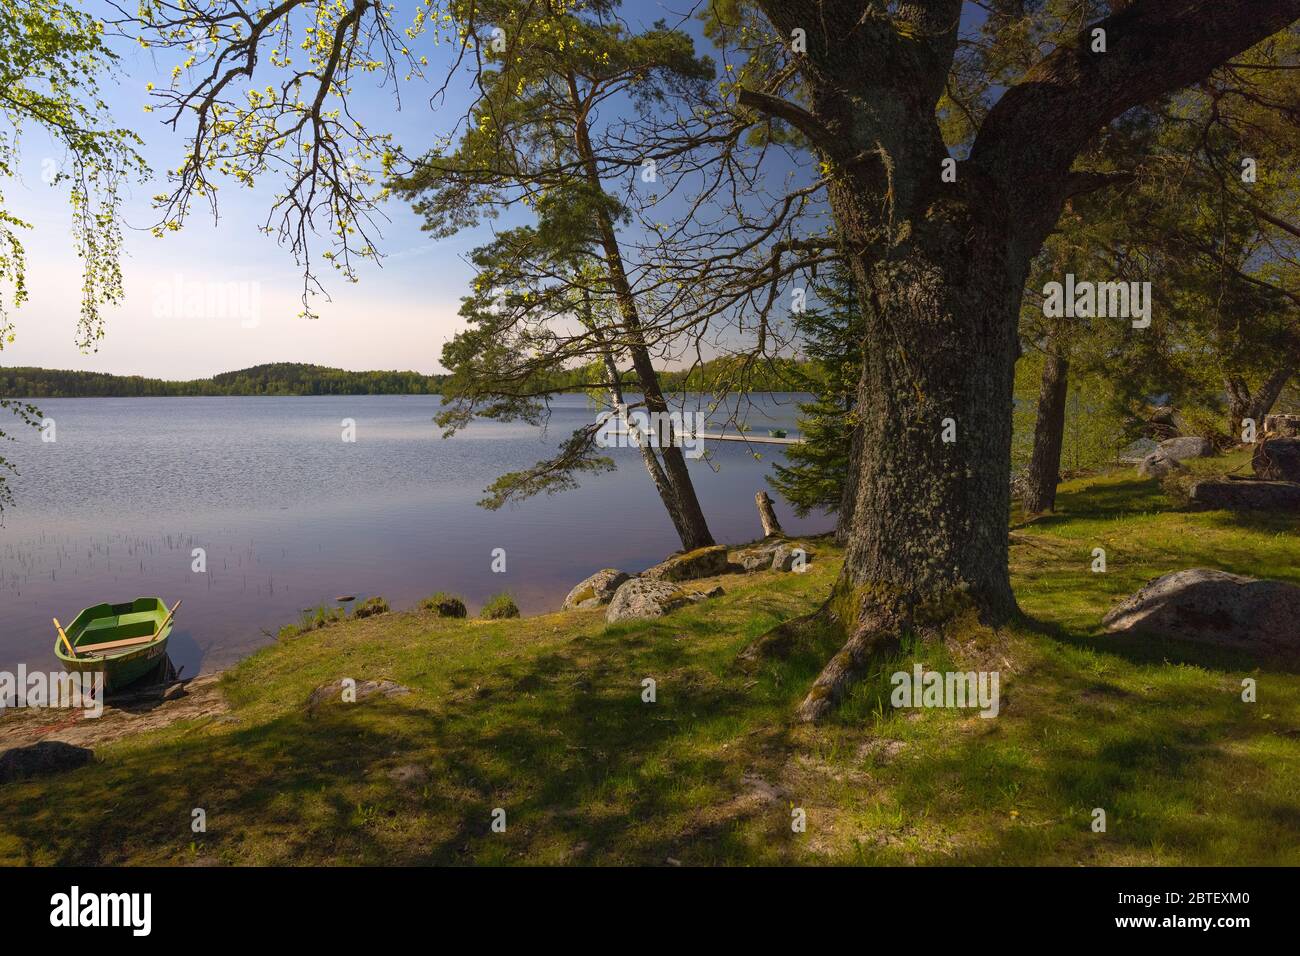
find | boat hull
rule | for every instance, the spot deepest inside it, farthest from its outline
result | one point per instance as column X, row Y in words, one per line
column 106, row 623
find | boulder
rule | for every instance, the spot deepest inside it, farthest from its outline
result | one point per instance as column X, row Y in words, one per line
column 1163, row 415
column 595, row 591
column 785, row 558
column 1186, row 446
column 1284, row 426
column 1159, row 465
column 42, row 759
column 1246, row 495
column 756, row 559
column 700, row 563
column 1213, row 607
column 332, row 693
column 641, row 598
column 1277, row 459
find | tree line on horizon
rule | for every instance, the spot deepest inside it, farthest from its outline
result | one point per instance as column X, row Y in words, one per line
column 294, row 378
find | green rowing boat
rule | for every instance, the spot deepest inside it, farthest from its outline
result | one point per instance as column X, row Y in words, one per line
column 125, row 641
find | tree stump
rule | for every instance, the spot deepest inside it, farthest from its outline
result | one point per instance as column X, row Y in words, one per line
column 766, row 515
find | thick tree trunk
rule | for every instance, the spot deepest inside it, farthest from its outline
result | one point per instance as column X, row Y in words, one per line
column 940, row 267
column 1242, row 404
column 1049, row 432
column 929, row 523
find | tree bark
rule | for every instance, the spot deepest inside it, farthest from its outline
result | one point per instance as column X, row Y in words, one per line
column 1242, row 404
column 1049, row 432
column 766, row 515
column 939, row 270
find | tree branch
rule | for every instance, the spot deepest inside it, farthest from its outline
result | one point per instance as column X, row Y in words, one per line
column 1153, row 47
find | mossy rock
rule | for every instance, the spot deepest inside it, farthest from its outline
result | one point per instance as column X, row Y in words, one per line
column 596, row 590
column 642, row 598
column 700, row 563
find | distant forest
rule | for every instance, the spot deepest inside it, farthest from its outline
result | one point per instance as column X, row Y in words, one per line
column 280, row 378
column 291, row 378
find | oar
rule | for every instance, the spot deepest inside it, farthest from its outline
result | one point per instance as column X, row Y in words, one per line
column 72, row 652
column 166, row 619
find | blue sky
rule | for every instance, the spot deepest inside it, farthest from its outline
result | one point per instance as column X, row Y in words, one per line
column 397, row 316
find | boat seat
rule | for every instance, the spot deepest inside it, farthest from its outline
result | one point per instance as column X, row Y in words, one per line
column 118, row 627
column 114, row 645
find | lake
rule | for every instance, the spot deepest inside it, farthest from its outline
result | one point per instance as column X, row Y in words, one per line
column 291, row 516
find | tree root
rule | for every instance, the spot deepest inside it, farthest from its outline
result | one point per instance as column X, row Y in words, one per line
column 876, row 633
column 784, row 639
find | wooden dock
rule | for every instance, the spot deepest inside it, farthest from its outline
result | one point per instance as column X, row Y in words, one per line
column 739, row 436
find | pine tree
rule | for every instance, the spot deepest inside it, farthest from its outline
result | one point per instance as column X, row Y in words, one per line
column 814, row 478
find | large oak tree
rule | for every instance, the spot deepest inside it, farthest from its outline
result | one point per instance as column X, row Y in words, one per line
column 939, row 267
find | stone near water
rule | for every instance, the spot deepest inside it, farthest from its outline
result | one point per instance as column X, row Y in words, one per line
column 1277, row 459
column 784, row 558
column 756, row 559
column 595, row 591
column 1213, row 607
column 642, row 598
column 1246, row 495
column 700, row 563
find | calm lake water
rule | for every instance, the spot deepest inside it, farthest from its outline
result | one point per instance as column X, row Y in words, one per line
column 291, row 516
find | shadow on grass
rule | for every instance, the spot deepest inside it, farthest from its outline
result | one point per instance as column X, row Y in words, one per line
column 1138, row 647
column 563, row 742
column 1182, row 768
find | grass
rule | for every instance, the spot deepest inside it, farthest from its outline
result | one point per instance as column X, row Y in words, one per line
column 444, row 604
column 543, row 717
column 498, row 607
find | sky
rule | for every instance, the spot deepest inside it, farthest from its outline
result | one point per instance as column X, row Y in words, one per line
column 397, row 317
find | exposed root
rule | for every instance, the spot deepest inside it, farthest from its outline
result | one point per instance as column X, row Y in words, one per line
column 781, row 641
column 877, row 633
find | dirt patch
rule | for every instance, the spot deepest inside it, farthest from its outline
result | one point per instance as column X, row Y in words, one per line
column 124, row 716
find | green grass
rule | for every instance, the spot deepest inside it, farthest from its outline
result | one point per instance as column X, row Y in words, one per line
column 444, row 604
column 543, row 716
column 499, row 607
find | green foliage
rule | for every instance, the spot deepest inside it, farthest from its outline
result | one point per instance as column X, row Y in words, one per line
column 52, row 59
column 1096, row 428
column 499, row 606
column 552, row 307
column 814, row 478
